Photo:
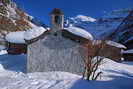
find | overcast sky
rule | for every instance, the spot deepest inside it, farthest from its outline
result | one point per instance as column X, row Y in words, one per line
column 93, row 8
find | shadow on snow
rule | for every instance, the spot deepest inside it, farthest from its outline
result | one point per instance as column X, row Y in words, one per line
column 14, row 62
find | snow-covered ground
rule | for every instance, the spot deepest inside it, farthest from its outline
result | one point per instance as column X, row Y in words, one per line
column 115, row 76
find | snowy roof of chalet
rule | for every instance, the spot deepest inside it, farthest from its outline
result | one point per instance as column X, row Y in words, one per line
column 21, row 36
column 80, row 32
column 16, row 37
column 128, row 51
column 111, row 43
column 118, row 45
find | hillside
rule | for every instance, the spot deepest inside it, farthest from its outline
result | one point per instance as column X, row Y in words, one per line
column 124, row 32
column 12, row 19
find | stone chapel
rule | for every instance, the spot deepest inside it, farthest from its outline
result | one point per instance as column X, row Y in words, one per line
column 57, row 49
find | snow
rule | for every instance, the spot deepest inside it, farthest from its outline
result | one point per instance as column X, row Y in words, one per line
column 16, row 37
column 117, row 13
column 20, row 36
column 115, row 76
column 1, row 4
column 1, row 68
column 128, row 51
column 84, row 18
column 80, row 32
column 98, row 29
column 30, row 17
column 34, row 32
column 112, row 43
column 112, row 69
column 2, row 47
column 2, row 52
column 12, row 63
column 103, row 26
column 11, row 12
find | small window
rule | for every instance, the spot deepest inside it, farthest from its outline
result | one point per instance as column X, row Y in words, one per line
column 55, row 34
column 57, row 19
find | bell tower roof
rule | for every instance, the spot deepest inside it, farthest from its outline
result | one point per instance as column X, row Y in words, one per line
column 56, row 11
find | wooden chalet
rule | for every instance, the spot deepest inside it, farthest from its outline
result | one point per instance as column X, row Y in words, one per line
column 128, row 55
column 15, row 43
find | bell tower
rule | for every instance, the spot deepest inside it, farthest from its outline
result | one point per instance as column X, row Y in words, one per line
column 57, row 20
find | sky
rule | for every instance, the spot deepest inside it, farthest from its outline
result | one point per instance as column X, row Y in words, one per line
column 93, row 8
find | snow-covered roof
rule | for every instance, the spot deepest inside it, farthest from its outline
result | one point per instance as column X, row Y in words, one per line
column 118, row 45
column 80, row 32
column 128, row 51
column 16, row 37
column 34, row 32
column 21, row 36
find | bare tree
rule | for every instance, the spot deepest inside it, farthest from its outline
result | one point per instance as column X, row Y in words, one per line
column 92, row 60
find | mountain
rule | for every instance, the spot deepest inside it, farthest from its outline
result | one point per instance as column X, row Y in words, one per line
column 116, row 25
column 101, row 27
column 124, row 32
column 13, row 18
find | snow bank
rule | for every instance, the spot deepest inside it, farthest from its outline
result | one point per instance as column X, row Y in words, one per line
column 112, row 69
column 1, row 68
column 34, row 32
column 2, row 52
column 128, row 51
column 54, row 75
column 16, row 37
column 80, row 32
column 112, row 43
column 84, row 18
column 115, row 76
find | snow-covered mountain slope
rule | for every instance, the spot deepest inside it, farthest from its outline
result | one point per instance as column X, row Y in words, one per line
column 14, row 22
column 100, row 28
column 83, row 18
column 118, row 76
column 124, row 33
column 12, row 18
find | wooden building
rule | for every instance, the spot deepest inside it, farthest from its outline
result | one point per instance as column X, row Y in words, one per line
column 110, row 49
column 16, row 43
column 16, row 48
column 128, row 55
